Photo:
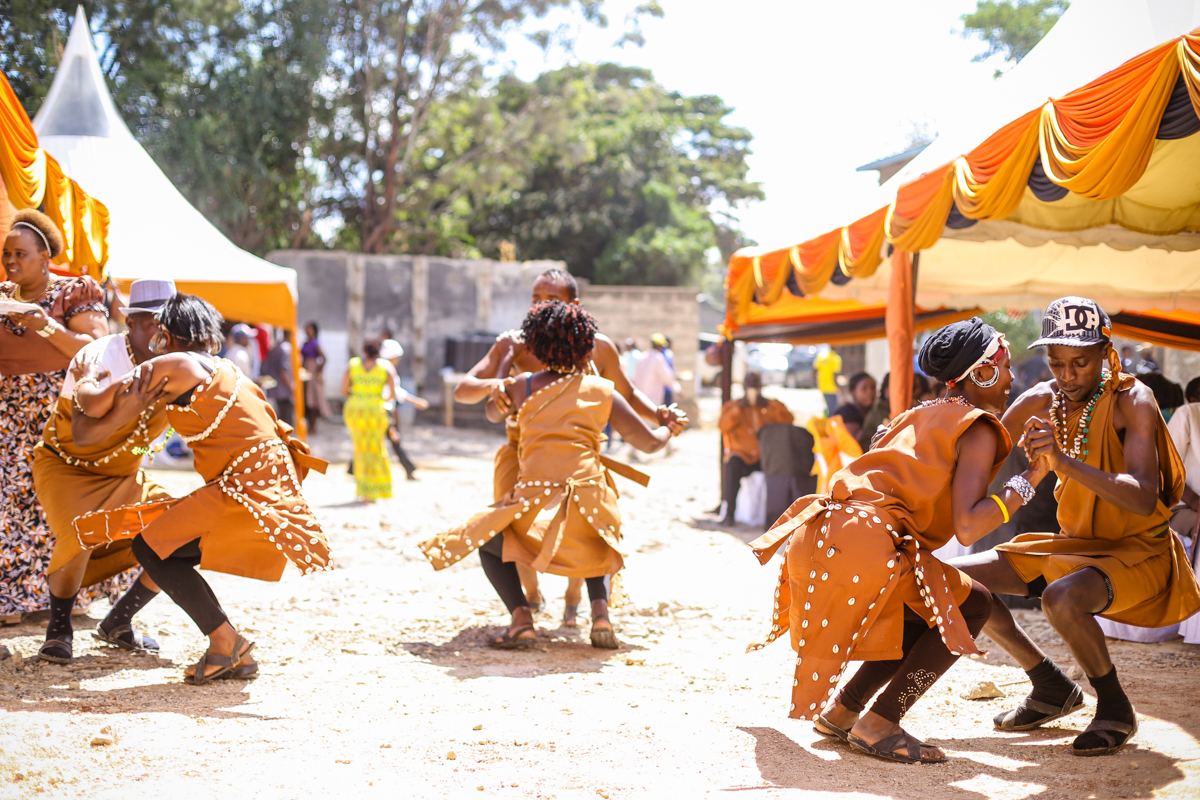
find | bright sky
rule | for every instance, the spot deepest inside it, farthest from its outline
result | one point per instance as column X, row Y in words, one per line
column 824, row 87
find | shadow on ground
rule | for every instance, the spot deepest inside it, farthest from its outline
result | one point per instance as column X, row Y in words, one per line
column 785, row 764
column 468, row 655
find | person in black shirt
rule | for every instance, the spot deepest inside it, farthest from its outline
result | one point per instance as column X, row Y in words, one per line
column 862, row 397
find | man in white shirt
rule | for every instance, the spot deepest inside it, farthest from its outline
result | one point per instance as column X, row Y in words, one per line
column 653, row 376
column 238, row 350
column 1184, row 428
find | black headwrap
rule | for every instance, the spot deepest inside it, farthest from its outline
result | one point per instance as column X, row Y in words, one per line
column 950, row 352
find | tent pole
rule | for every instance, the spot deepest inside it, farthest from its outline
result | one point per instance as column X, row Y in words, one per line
column 726, row 396
column 297, row 386
column 901, row 296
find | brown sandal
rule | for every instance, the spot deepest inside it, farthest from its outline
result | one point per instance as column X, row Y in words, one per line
column 889, row 748
column 225, row 664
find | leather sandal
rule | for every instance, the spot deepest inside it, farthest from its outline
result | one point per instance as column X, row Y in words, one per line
column 225, row 664
column 827, row 729
column 571, row 616
column 1042, row 713
column 514, row 640
column 133, row 639
column 604, row 638
column 889, row 748
column 1103, row 737
column 56, row 644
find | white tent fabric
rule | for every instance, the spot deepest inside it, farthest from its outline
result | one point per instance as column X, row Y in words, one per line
column 1004, row 263
column 154, row 231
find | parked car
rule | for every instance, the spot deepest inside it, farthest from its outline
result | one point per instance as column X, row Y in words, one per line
column 770, row 359
column 800, row 373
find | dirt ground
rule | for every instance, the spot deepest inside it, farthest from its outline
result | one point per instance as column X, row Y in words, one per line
column 376, row 681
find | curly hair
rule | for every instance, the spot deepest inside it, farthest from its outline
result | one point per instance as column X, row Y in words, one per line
column 559, row 334
column 51, row 237
column 192, row 322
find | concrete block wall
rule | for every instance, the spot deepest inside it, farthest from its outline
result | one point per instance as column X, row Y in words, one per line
column 423, row 300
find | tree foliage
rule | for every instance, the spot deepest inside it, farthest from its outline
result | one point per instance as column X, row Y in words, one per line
column 1012, row 28
column 387, row 126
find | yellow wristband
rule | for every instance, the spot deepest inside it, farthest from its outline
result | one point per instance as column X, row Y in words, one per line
column 1003, row 508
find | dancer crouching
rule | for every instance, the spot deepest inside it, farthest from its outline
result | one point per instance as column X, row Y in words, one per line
column 562, row 515
column 249, row 519
column 860, row 581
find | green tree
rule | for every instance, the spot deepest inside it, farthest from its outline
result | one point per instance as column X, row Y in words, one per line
column 144, row 50
column 236, row 133
column 1012, row 28
column 394, row 65
column 623, row 190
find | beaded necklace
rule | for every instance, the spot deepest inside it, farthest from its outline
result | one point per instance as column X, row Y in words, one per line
column 1078, row 450
column 957, row 399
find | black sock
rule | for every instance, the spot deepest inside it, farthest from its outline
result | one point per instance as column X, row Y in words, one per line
column 130, row 603
column 59, row 626
column 1050, row 684
column 1111, row 700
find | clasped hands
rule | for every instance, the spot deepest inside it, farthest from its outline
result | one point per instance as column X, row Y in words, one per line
column 1041, row 447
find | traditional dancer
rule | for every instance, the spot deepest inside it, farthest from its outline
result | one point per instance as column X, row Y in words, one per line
column 860, row 581
column 1116, row 556
column 561, row 516
column 249, row 519
column 509, row 356
column 83, row 465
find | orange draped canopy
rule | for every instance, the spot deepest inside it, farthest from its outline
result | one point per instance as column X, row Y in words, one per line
column 31, row 178
column 1096, row 142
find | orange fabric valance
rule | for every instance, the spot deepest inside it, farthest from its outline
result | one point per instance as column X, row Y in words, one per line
column 1095, row 142
column 32, row 178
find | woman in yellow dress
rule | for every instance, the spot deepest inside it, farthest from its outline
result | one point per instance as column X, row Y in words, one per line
column 367, row 420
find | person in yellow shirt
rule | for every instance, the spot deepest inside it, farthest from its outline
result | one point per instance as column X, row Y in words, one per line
column 827, row 365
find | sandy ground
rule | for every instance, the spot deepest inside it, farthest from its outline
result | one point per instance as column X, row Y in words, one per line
column 376, row 681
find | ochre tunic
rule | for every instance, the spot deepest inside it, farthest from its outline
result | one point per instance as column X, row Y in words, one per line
column 1153, row 583
column 73, row 480
column 861, row 553
column 561, row 515
column 250, row 517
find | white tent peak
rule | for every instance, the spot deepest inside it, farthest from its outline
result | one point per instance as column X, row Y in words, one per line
column 154, row 231
column 78, row 103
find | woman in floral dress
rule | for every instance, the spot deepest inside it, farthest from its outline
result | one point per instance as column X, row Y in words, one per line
column 44, row 322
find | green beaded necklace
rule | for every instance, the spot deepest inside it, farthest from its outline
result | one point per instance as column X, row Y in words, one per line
column 1058, row 420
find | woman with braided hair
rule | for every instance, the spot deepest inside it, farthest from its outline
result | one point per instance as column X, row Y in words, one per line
column 562, row 515
column 860, row 581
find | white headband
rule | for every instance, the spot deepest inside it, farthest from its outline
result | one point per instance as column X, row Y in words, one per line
column 989, row 352
column 36, row 230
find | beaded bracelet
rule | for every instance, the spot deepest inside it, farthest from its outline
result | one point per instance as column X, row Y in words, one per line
column 1021, row 486
column 75, row 392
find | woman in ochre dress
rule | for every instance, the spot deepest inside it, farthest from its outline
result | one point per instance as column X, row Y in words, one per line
column 859, row 581
column 562, row 515
column 248, row 519
column 55, row 318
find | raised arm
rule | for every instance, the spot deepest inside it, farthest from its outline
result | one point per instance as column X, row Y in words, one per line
column 175, row 373
column 483, row 380
column 608, row 364
column 1035, row 402
column 129, row 401
column 975, row 513
column 634, row 430
column 1137, row 489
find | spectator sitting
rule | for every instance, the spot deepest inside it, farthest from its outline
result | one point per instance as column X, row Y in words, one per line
column 862, row 398
column 740, row 422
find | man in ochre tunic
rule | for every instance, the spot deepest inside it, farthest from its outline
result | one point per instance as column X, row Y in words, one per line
column 84, row 465
column 1116, row 555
